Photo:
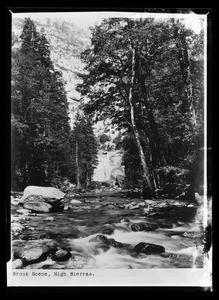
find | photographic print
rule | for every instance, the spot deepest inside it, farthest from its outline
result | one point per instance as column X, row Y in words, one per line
column 108, row 150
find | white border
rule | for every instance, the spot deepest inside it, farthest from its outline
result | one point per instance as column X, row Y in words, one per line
column 108, row 277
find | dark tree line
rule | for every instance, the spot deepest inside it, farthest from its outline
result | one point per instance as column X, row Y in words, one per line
column 42, row 151
column 84, row 151
column 147, row 76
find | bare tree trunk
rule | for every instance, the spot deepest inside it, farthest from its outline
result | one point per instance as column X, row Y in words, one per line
column 188, row 84
column 25, row 174
column 153, row 125
column 183, row 55
column 87, row 181
column 146, row 175
column 77, row 165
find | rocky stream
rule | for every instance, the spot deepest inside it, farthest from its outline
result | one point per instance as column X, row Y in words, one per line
column 106, row 230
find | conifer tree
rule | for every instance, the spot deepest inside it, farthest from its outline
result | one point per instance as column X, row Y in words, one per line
column 39, row 109
column 83, row 151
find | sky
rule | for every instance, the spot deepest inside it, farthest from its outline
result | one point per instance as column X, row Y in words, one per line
column 86, row 19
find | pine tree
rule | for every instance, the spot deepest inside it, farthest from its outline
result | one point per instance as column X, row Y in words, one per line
column 40, row 122
column 83, row 151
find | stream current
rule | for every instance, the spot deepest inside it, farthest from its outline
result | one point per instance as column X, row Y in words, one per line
column 179, row 232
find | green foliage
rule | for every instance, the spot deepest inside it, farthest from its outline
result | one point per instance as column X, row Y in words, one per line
column 40, row 122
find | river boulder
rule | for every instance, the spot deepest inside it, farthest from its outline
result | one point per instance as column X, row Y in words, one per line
column 99, row 239
column 45, row 192
column 32, row 252
column 148, row 248
column 61, row 255
column 114, row 243
column 37, row 203
column 144, row 226
column 103, row 240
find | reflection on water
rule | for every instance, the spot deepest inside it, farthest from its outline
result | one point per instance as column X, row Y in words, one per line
column 178, row 232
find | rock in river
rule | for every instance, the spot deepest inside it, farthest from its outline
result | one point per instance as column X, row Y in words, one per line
column 41, row 204
column 33, row 251
column 61, row 255
column 33, row 254
column 23, row 211
column 147, row 248
column 144, row 227
column 38, row 206
column 45, row 192
column 99, row 239
column 102, row 239
column 114, row 243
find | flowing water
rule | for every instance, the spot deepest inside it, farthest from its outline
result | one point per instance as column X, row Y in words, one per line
column 179, row 232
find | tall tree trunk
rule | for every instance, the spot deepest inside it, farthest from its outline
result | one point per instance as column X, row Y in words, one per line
column 153, row 125
column 24, row 160
column 184, row 64
column 25, row 175
column 87, row 181
column 77, row 166
column 146, row 174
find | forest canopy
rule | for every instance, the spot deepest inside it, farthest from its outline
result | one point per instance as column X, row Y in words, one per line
column 146, row 75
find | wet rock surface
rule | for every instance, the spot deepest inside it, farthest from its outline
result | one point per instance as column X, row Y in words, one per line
column 37, row 203
column 38, row 206
column 105, row 231
column 31, row 252
column 45, row 192
column 104, row 240
column 144, row 227
column 61, row 255
column 147, row 248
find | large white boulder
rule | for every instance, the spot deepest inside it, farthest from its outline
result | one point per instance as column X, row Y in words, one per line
column 46, row 192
